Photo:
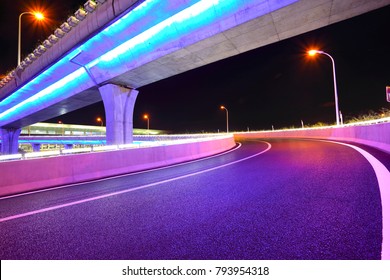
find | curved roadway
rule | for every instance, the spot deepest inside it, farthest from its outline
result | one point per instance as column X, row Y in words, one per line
column 280, row 199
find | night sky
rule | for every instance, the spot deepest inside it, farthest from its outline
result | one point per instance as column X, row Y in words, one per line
column 276, row 85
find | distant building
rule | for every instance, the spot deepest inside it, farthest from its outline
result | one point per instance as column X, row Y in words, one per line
column 95, row 136
column 76, row 130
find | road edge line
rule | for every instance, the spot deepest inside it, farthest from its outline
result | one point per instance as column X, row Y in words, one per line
column 383, row 177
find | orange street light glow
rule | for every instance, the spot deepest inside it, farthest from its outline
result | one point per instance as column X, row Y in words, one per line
column 146, row 117
column 99, row 119
column 39, row 16
column 338, row 114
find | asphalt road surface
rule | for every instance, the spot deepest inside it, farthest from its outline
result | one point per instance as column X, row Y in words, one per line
column 280, row 199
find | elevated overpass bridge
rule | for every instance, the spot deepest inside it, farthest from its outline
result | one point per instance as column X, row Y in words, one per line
column 112, row 47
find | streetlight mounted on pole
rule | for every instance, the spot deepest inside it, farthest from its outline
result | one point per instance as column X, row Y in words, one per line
column 146, row 117
column 336, row 99
column 38, row 16
column 227, row 118
column 99, row 119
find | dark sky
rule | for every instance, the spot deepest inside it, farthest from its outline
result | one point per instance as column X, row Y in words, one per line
column 274, row 85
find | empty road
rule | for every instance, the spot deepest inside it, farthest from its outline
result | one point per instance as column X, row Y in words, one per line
column 273, row 199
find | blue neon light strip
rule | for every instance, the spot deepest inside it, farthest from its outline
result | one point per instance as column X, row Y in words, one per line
column 59, row 142
column 158, row 30
column 141, row 48
column 48, row 96
column 28, row 89
column 134, row 18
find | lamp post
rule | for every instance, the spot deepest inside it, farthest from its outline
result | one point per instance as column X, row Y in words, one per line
column 227, row 118
column 336, row 99
column 38, row 16
column 146, row 117
column 62, row 127
column 99, row 119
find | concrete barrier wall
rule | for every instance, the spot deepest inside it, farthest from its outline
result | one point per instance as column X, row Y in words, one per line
column 27, row 175
column 377, row 135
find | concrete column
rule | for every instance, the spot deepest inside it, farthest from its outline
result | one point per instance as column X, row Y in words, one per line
column 119, row 106
column 9, row 140
column 36, row 147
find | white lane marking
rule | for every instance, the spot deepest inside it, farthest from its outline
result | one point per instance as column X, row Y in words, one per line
column 383, row 177
column 119, row 176
column 9, row 218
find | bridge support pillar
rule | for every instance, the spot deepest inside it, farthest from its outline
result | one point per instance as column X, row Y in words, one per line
column 9, row 140
column 36, row 147
column 119, row 106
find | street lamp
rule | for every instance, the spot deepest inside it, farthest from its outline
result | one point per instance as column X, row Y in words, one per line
column 38, row 16
column 227, row 118
column 336, row 99
column 146, row 117
column 62, row 127
column 99, row 119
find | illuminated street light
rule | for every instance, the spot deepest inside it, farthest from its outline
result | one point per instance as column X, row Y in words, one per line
column 336, row 99
column 146, row 117
column 227, row 118
column 99, row 119
column 38, row 16
column 62, row 127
